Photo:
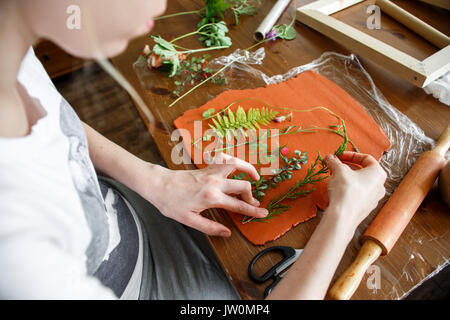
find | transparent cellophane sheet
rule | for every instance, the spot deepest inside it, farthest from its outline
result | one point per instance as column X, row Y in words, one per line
column 408, row 142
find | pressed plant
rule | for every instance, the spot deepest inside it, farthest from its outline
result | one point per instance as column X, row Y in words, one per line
column 277, row 206
column 260, row 187
column 240, row 120
column 316, row 173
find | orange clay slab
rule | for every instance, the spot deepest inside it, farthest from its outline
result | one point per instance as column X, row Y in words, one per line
column 306, row 91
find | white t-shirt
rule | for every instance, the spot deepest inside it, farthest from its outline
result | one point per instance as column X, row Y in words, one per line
column 55, row 231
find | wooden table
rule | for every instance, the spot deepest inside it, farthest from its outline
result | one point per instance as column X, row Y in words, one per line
column 424, row 247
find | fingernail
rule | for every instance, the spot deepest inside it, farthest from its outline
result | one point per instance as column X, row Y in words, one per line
column 225, row 234
column 329, row 157
column 256, row 202
column 264, row 212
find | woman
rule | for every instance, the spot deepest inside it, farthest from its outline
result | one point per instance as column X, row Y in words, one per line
column 65, row 233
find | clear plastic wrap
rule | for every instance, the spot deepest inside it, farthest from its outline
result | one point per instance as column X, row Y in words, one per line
column 421, row 256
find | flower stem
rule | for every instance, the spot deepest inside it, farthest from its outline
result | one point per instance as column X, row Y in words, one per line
column 201, row 83
column 215, row 74
column 184, row 36
column 192, row 33
column 256, row 44
column 203, row 49
column 179, row 14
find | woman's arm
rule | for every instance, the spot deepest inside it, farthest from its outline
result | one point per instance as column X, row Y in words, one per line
column 182, row 194
column 353, row 195
column 116, row 162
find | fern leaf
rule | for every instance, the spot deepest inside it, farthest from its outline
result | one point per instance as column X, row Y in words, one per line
column 240, row 120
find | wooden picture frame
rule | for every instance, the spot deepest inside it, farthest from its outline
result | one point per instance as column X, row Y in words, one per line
column 420, row 73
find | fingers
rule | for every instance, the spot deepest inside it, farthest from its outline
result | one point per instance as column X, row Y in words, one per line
column 334, row 164
column 352, row 165
column 229, row 164
column 364, row 160
column 205, row 225
column 242, row 188
column 242, row 207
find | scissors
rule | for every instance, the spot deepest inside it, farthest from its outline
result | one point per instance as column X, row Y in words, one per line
column 290, row 255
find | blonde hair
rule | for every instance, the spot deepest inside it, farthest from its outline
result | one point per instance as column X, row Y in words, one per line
column 115, row 74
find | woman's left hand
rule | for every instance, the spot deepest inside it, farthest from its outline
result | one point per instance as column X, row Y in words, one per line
column 183, row 194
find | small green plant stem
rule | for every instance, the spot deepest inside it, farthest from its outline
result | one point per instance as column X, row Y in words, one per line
column 338, row 133
column 179, row 47
column 253, row 141
column 214, row 75
column 310, row 178
column 294, row 15
column 202, row 49
column 256, row 44
column 201, row 83
column 179, row 14
column 342, row 134
column 198, row 31
column 184, row 36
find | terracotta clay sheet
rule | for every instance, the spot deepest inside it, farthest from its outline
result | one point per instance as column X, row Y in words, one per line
column 305, row 91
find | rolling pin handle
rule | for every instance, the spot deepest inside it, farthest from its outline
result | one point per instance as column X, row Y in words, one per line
column 443, row 143
column 349, row 281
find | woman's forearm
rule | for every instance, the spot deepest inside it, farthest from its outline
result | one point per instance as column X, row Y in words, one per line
column 116, row 162
column 310, row 276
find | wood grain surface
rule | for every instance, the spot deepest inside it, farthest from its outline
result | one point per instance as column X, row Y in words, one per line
column 56, row 61
column 424, row 247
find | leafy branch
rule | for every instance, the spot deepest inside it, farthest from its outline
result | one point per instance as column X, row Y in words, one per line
column 165, row 53
column 243, row 7
column 234, row 122
column 282, row 174
column 214, row 9
column 276, row 205
column 214, row 34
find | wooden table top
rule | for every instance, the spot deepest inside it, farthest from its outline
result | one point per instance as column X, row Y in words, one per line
column 424, row 247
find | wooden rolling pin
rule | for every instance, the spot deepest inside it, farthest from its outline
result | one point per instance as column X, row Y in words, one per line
column 392, row 219
column 404, row 17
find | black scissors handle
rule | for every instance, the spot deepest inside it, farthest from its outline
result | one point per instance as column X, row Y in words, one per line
column 287, row 252
column 270, row 287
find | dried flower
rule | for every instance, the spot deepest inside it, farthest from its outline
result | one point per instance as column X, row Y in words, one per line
column 271, row 35
column 283, row 118
column 284, row 151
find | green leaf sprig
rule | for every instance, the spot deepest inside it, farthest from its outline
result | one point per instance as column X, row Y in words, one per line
column 235, row 122
column 214, row 9
column 260, row 187
column 214, row 34
column 243, row 7
column 167, row 53
column 284, row 31
column 277, row 206
column 171, row 57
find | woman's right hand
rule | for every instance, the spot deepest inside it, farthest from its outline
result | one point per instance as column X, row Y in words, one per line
column 355, row 192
